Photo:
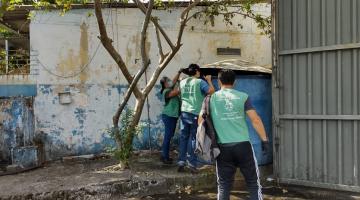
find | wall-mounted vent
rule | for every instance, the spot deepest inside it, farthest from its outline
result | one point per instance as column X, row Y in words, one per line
column 228, row 51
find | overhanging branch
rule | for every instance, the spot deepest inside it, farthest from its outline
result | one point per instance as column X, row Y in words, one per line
column 107, row 43
column 144, row 67
column 173, row 52
column 161, row 53
column 154, row 20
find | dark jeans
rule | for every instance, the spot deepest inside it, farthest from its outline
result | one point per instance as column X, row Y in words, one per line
column 233, row 156
column 170, row 126
column 188, row 128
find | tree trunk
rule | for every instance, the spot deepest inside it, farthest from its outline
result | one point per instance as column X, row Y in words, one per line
column 135, row 121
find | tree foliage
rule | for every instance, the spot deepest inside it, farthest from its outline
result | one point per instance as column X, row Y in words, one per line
column 5, row 33
column 228, row 9
column 120, row 134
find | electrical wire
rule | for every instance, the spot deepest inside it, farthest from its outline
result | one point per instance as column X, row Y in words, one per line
column 84, row 67
column 74, row 74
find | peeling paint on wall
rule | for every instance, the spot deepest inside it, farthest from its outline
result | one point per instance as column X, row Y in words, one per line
column 98, row 86
column 16, row 124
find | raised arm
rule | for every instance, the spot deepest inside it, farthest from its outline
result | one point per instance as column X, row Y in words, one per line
column 176, row 77
column 211, row 86
column 173, row 93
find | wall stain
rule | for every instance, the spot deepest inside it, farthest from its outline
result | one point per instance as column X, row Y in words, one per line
column 80, row 115
column 84, row 51
column 46, row 89
column 73, row 62
column 200, row 54
column 128, row 52
column 137, row 56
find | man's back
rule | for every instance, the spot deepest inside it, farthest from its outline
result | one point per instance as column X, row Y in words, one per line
column 227, row 108
column 191, row 96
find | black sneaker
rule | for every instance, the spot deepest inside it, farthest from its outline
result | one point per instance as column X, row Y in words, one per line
column 181, row 169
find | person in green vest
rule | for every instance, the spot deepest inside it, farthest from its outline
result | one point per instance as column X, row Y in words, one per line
column 228, row 111
column 193, row 91
column 170, row 114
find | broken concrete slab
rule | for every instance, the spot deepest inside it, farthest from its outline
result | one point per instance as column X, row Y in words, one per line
column 12, row 168
column 78, row 158
column 25, row 157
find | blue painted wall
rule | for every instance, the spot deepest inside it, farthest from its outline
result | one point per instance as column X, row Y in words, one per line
column 13, row 90
column 17, row 124
column 56, row 138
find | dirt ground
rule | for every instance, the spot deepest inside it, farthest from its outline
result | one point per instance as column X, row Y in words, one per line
column 94, row 179
column 238, row 194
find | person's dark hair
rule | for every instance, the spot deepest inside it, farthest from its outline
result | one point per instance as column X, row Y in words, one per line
column 162, row 83
column 227, row 76
column 192, row 69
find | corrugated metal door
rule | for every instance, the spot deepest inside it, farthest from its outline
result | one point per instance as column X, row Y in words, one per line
column 316, row 91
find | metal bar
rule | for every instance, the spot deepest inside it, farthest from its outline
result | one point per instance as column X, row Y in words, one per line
column 295, row 89
column 323, row 87
column 354, row 25
column 355, row 95
column 309, row 90
column 319, row 117
column 355, row 110
column 275, row 95
column 309, row 112
column 321, row 185
column 339, row 93
column 275, row 42
column 295, row 150
column 321, row 49
column 6, row 56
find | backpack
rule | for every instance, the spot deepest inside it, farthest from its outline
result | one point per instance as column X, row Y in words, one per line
column 207, row 148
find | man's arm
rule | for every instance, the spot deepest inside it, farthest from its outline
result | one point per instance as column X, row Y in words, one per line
column 172, row 93
column 211, row 89
column 257, row 124
column 176, row 77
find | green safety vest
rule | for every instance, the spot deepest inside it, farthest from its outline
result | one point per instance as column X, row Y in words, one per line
column 172, row 105
column 227, row 109
column 191, row 96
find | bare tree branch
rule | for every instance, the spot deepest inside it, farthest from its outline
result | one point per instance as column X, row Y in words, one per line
column 144, row 55
column 239, row 11
column 107, row 43
column 145, row 64
column 161, row 53
column 173, row 52
column 158, row 71
column 156, row 24
column 183, row 20
column 185, row 12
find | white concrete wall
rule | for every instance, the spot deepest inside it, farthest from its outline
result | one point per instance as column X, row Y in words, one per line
column 70, row 59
